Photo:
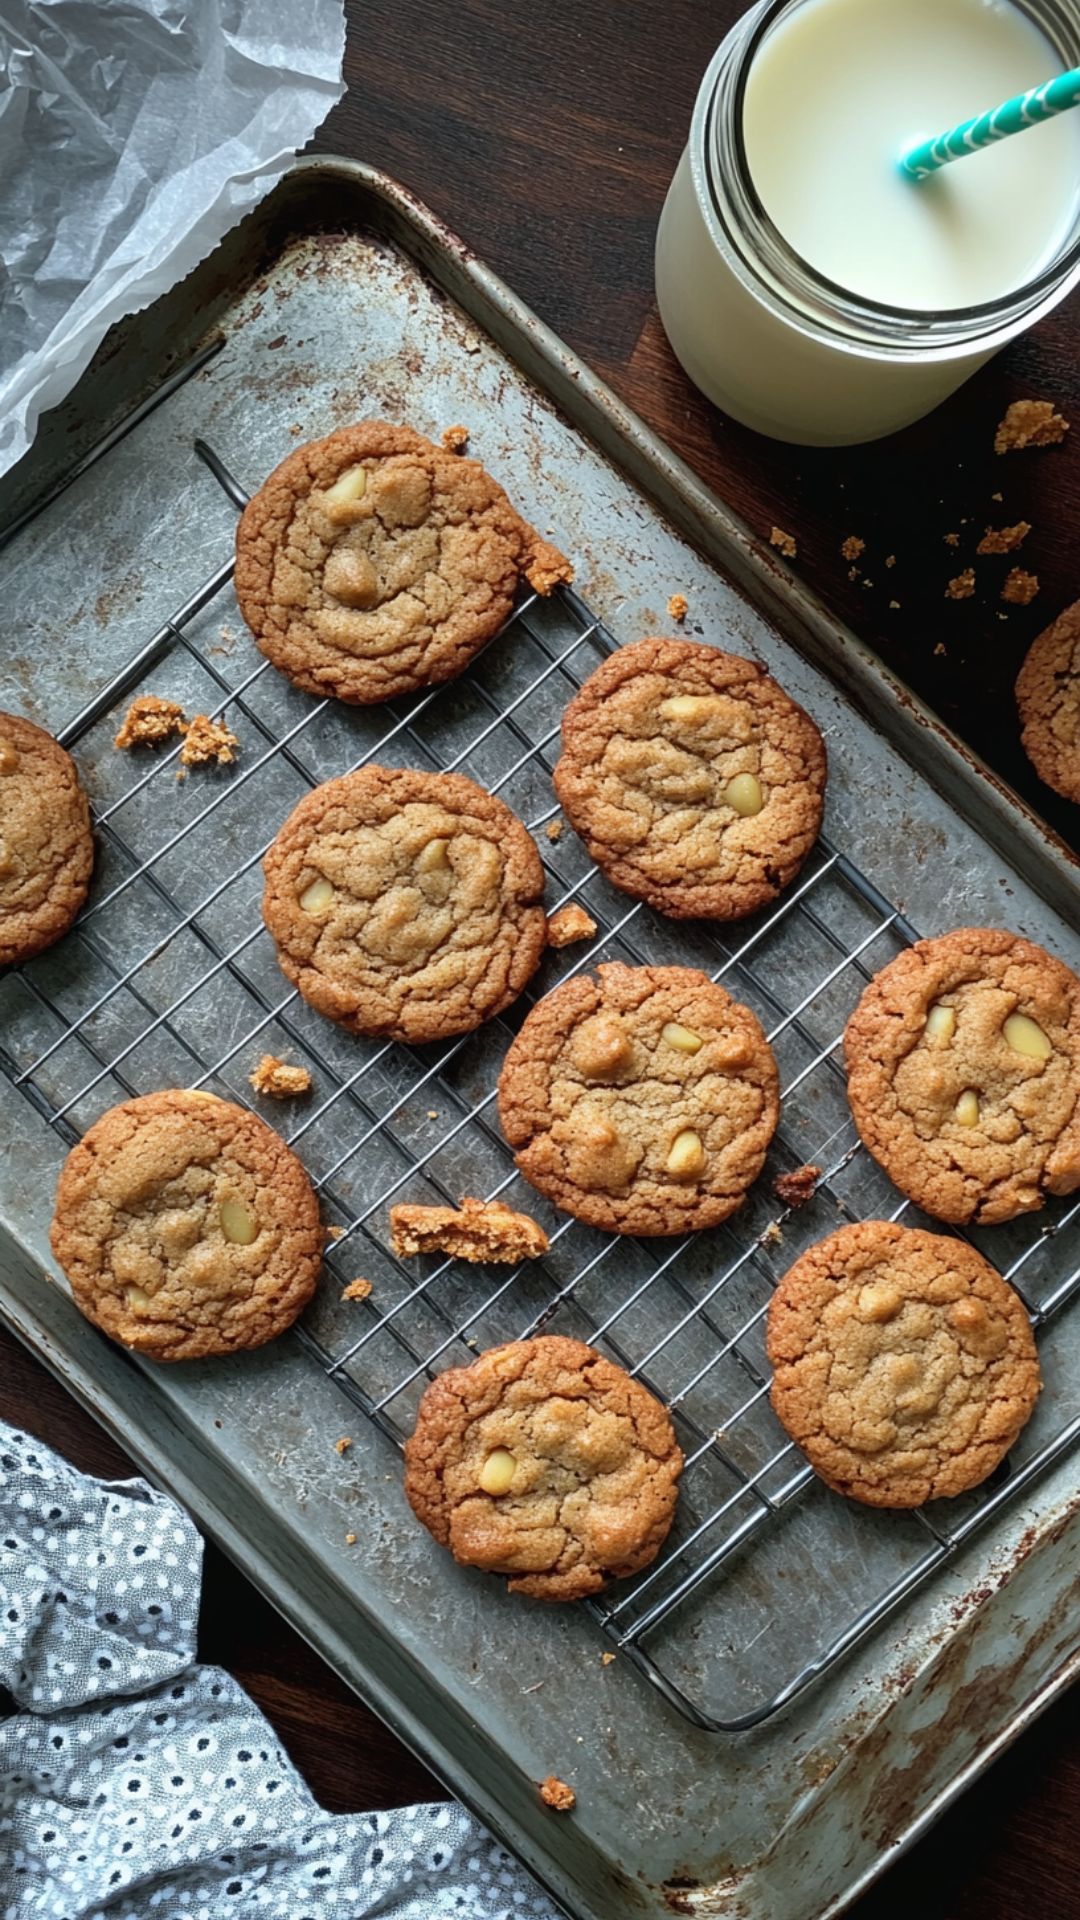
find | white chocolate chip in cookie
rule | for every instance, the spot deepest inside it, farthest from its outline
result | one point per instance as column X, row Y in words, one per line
column 692, row 709
column 238, row 1224
column 1025, row 1036
column 879, row 1301
column 340, row 500
column 349, row 576
column 683, row 1039
column 941, row 1023
column 967, row 1109
column 317, row 896
column 497, row 1473
column 601, row 1047
column 434, row 858
column 743, row 793
column 686, row 1156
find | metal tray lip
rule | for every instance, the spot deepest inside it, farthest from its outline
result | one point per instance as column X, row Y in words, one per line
column 411, row 210
column 772, row 574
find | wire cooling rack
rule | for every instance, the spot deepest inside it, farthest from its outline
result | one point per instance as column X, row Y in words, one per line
column 168, row 978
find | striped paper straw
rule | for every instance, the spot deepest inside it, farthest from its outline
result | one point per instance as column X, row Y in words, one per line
column 1013, row 116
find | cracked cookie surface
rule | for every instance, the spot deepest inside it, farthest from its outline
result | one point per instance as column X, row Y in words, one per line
column 544, row 1461
column 904, row 1365
column 46, row 845
column 1048, row 698
column 373, row 562
column 642, row 1100
column 405, row 904
column 186, row 1227
column 963, row 1063
column 694, row 780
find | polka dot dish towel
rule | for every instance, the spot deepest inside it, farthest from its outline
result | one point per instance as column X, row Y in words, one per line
column 136, row 1785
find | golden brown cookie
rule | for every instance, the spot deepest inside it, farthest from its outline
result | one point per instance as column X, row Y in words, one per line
column 1048, row 697
column 546, row 1462
column 186, row 1227
column 374, row 562
column 963, row 1061
column 642, row 1100
column 479, row 1230
column 693, row 779
column 903, row 1364
column 46, row 846
column 405, row 904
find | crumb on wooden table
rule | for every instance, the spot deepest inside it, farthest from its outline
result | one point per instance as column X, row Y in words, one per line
column 852, row 547
column 678, row 607
column 343, row 1445
column 794, row 1189
column 1030, row 423
column 555, row 1793
column 1020, row 588
column 951, row 539
column 276, row 1078
column 997, row 496
column 784, row 543
column 456, row 439
column 149, row 720
column 358, row 1289
column 894, row 604
column 554, row 830
column 962, row 586
column 568, row 924
column 853, row 573
column 1004, row 539
column 480, row 1230
column 206, row 739
column 890, row 559
column 940, row 648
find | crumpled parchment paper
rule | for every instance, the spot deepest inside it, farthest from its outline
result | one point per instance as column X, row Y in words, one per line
column 133, row 134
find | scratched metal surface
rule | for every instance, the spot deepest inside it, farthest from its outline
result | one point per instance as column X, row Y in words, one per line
column 337, row 327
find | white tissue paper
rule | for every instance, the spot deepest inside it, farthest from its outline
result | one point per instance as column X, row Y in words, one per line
column 133, row 134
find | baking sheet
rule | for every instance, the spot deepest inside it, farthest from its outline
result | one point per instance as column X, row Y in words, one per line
column 338, row 326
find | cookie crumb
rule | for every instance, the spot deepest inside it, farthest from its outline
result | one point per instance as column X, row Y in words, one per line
column 568, row 924
column 796, row 1188
column 343, row 1445
column 358, row 1289
column 1030, row 423
column 606, row 1659
column 554, row 830
column 556, row 1793
column 279, row 1080
column 678, row 607
column 1004, row 539
column 894, row 603
column 456, row 439
column 940, row 648
column 772, row 1236
column 296, row 428
column 433, row 1113
column 350, row 1539
column 333, row 1233
column 149, row 720
column 479, row 1230
column 962, row 586
column 997, row 496
column 853, row 573
column 1020, row 588
column 890, row 559
column 951, row 539
column 784, row 543
column 206, row 739
column 852, row 547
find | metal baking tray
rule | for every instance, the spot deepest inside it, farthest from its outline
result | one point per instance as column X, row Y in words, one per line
column 799, row 1685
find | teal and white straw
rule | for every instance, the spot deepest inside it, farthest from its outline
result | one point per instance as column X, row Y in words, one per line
column 1013, row 116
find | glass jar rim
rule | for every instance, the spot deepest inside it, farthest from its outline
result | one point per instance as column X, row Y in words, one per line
column 868, row 322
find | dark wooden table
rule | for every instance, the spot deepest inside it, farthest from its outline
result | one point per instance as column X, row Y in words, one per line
column 546, row 135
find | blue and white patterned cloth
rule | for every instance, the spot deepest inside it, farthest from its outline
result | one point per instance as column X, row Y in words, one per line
column 136, row 1785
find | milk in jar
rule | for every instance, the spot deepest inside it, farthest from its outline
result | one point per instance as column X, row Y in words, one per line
column 810, row 287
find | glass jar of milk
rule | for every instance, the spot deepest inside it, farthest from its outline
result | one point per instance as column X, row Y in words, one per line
column 809, row 287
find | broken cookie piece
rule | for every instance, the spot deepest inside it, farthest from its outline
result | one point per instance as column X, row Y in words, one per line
column 478, row 1230
column 1020, row 588
column 1030, row 423
column 1004, row 539
column 568, row 924
column 206, row 739
column 794, row 1189
column 148, row 721
column 279, row 1080
column 555, row 1793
